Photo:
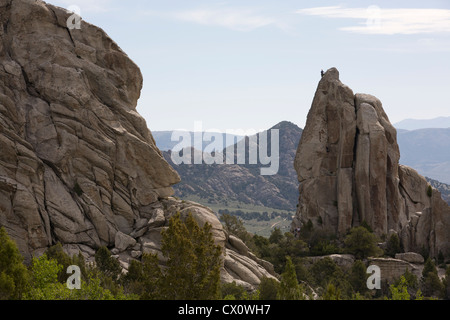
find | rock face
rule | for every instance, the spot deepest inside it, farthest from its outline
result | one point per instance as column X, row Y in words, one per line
column 347, row 164
column 78, row 164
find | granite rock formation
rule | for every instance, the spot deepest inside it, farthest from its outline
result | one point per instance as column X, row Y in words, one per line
column 78, row 164
column 347, row 164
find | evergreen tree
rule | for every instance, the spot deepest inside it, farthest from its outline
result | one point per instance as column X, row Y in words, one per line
column 362, row 243
column 268, row 289
column 411, row 279
column 57, row 253
column 14, row 276
column 431, row 285
column 108, row 265
column 400, row 291
column 148, row 278
column 289, row 288
column 323, row 271
column 411, row 282
column 234, row 290
column 428, row 267
column 276, row 236
column 235, row 226
column 393, row 245
column 133, row 281
column 332, row 293
column 193, row 261
column 261, row 246
column 358, row 277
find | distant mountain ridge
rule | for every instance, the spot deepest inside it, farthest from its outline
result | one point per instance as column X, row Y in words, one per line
column 164, row 140
column 427, row 151
column 443, row 188
column 414, row 124
column 243, row 182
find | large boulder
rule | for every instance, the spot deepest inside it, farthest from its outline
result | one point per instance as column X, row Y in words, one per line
column 347, row 164
column 392, row 269
column 410, row 257
column 78, row 164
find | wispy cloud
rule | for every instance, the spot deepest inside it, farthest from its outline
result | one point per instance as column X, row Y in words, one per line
column 376, row 20
column 239, row 19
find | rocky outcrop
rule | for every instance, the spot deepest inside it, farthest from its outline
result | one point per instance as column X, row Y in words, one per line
column 238, row 263
column 392, row 269
column 411, row 257
column 347, row 164
column 78, row 164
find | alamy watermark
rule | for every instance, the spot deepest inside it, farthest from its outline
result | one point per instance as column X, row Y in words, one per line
column 74, row 21
column 257, row 148
column 374, row 280
column 373, row 21
column 74, row 281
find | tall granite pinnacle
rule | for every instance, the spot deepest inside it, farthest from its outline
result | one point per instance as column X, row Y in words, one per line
column 347, row 164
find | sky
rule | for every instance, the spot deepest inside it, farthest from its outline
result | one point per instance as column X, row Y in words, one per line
column 249, row 64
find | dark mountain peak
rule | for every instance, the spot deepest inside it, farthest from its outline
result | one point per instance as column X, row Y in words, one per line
column 283, row 125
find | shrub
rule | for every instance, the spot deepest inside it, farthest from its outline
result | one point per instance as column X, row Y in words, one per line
column 57, row 253
column 362, row 243
column 276, row 236
column 431, row 285
column 399, row 291
column 430, row 191
column 358, row 277
column 332, row 293
column 45, row 285
column 233, row 290
column 289, row 288
column 324, row 270
column 235, row 226
column 268, row 289
column 393, row 245
column 14, row 276
column 108, row 265
column 193, row 261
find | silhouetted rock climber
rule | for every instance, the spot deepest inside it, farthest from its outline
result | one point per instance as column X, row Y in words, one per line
column 322, row 73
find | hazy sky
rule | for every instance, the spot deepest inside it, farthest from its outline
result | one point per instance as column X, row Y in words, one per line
column 253, row 63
